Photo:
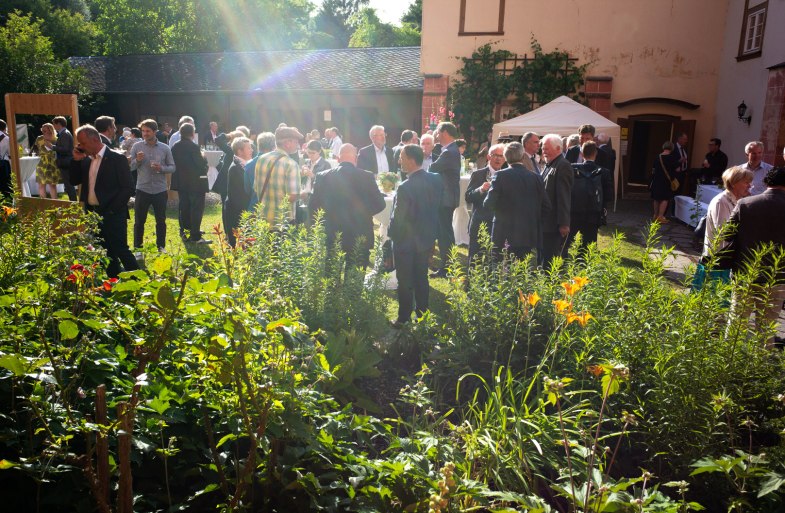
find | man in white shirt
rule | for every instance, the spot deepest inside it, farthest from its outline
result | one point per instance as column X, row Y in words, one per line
column 335, row 140
column 531, row 143
column 754, row 151
column 376, row 157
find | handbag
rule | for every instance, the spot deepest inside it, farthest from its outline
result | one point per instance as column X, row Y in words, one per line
column 674, row 182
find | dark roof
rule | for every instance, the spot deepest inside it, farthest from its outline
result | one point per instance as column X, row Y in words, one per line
column 288, row 70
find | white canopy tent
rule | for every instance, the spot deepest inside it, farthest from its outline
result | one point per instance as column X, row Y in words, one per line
column 563, row 116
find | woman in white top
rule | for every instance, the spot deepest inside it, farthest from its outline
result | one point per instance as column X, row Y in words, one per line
column 737, row 182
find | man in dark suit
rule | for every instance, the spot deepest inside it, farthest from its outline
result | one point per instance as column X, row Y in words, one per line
column 574, row 156
column 588, row 208
column 558, row 179
column 476, row 191
column 517, row 199
column 106, row 127
column 190, row 182
column 376, row 157
column 349, row 198
column 448, row 166
column 407, row 137
column 64, row 148
column 106, row 187
column 413, row 227
column 758, row 221
column 715, row 163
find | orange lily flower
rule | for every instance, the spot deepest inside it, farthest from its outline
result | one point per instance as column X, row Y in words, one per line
column 563, row 306
column 580, row 281
column 570, row 288
column 533, row 299
column 582, row 318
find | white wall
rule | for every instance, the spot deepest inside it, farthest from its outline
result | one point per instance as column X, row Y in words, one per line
column 746, row 80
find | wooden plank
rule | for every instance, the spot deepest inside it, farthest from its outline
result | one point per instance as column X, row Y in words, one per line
column 125, row 495
column 102, row 444
column 25, row 103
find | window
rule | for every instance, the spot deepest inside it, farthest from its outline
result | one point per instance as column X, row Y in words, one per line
column 751, row 43
column 481, row 18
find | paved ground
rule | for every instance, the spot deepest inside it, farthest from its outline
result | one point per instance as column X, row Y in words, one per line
column 635, row 215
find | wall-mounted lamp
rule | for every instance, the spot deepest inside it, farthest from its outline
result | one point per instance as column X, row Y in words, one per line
column 742, row 108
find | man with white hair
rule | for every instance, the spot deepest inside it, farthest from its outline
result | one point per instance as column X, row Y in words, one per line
column 476, row 191
column 376, row 157
column 175, row 137
column 427, row 143
column 754, row 151
column 558, row 179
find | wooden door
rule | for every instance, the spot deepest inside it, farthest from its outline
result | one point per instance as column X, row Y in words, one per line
column 623, row 153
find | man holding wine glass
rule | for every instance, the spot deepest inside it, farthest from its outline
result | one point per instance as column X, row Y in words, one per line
column 152, row 160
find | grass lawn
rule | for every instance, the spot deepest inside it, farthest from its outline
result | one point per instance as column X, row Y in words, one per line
column 175, row 245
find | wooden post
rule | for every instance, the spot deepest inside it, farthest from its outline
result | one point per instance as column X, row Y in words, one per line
column 102, row 444
column 125, row 497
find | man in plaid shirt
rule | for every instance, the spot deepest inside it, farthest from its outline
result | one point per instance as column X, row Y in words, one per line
column 277, row 176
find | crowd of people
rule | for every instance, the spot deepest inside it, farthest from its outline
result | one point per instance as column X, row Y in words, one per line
column 531, row 196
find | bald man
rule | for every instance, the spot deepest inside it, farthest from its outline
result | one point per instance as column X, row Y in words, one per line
column 349, row 198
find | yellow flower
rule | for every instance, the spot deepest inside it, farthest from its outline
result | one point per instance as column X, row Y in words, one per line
column 570, row 288
column 533, row 299
column 563, row 306
column 580, row 281
column 582, row 318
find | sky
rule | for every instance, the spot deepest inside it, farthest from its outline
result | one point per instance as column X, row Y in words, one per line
column 389, row 11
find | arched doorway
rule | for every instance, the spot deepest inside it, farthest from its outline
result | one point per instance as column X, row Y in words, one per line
column 641, row 139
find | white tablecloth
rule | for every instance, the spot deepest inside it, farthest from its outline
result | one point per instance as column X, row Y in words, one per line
column 383, row 218
column 707, row 192
column 213, row 158
column 27, row 167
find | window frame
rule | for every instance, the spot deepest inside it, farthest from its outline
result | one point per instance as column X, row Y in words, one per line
column 462, row 27
column 761, row 8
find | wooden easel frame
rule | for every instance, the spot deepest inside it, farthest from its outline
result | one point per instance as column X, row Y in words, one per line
column 46, row 104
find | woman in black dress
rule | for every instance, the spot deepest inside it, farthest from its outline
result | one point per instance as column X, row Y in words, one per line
column 661, row 192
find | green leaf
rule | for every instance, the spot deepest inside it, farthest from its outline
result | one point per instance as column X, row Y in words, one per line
column 322, row 361
column 68, row 330
column 126, row 286
column 161, row 264
column 165, row 298
column 772, row 483
column 226, row 438
column 610, row 385
column 159, row 405
column 14, row 363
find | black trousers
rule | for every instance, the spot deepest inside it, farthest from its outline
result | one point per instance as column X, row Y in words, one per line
column 474, row 236
column 69, row 188
column 411, row 268
column 190, row 213
column 5, row 178
column 141, row 206
column 113, row 233
column 446, row 236
column 587, row 225
column 553, row 245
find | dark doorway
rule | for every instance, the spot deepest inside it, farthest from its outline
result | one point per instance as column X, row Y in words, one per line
column 646, row 145
column 641, row 141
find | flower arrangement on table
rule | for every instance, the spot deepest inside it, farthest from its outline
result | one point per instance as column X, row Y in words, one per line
column 388, row 181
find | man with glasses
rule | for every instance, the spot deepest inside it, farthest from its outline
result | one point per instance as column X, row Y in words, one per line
column 476, row 191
